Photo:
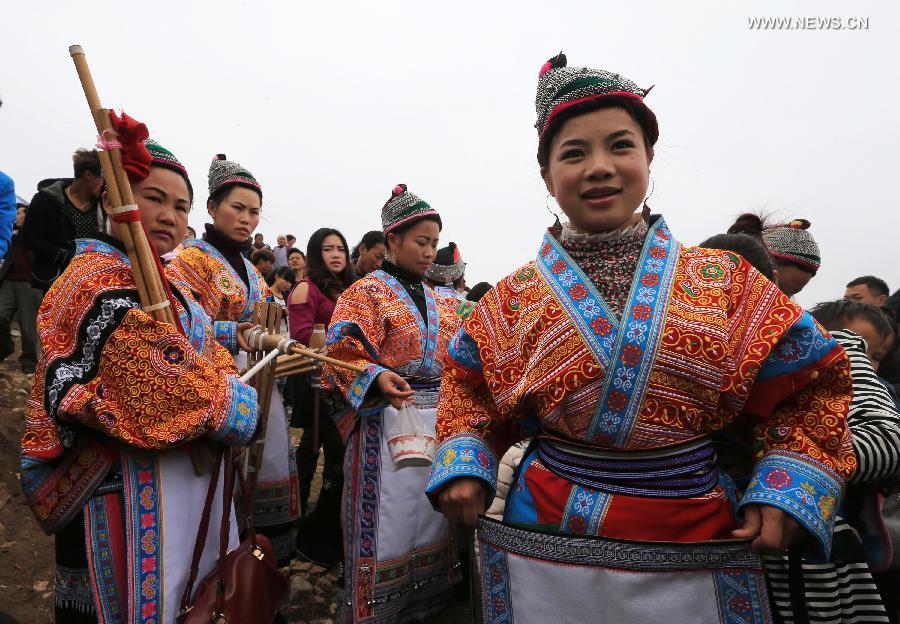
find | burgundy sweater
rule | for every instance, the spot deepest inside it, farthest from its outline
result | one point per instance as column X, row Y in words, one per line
column 302, row 316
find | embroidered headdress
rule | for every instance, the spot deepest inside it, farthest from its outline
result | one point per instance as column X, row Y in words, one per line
column 560, row 87
column 793, row 242
column 223, row 172
column 404, row 207
column 448, row 266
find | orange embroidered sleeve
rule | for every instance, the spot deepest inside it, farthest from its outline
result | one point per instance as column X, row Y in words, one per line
column 796, row 381
column 355, row 336
column 151, row 388
column 472, row 431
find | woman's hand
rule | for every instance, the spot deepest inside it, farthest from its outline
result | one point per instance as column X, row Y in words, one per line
column 394, row 388
column 242, row 343
column 773, row 529
column 462, row 500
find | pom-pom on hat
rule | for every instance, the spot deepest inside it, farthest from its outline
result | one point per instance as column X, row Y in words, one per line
column 448, row 266
column 793, row 242
column 561, row 87
column 403, row 207
column 223, row 172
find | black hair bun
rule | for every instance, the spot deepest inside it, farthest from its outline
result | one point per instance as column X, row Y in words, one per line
column 747, row 223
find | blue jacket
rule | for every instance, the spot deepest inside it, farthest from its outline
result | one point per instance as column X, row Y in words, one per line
column 7, row 211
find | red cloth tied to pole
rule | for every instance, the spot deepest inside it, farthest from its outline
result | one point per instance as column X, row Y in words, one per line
column 136, row 158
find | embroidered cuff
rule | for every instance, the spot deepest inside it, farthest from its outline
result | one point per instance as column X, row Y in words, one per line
column 462, row 455
column 360, row 386
column 806, row 489
column 240, row 414
column 226, row 335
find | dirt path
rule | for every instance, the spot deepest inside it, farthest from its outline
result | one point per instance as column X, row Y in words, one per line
column 26, row 554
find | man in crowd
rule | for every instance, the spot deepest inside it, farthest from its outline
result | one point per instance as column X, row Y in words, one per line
column 868, row 289
column 259, row 242
column 18, row 298
column 62, row 210
column 280, row 251
column 263, row 260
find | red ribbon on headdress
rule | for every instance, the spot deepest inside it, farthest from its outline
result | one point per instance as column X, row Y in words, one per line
column 130, row 133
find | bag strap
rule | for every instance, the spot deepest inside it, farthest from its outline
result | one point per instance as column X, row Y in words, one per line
column 200, row 542
column 225, row 530
column 245, row 490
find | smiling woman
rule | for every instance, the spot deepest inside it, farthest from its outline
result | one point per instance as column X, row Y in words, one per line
column 621, row 350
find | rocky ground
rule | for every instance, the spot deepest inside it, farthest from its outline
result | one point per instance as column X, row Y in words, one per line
column 26, row 554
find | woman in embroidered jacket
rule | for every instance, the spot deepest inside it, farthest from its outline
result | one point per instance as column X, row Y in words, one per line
column 400, row 557
column 228, row 286
column 621, row 351
column 116, row 400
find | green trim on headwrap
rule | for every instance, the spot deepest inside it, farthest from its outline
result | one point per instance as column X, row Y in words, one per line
column 164, row 158
column 582, row 83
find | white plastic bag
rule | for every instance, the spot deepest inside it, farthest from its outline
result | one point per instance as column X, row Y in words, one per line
column 411, row 441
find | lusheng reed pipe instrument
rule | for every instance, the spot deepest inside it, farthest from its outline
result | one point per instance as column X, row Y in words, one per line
column 266, row 316
column 317, row 341
column 266, row 342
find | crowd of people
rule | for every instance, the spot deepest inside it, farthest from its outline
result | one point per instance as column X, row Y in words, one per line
column 659, row 431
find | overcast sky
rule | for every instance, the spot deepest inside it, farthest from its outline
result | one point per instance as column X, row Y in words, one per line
column 331, row 104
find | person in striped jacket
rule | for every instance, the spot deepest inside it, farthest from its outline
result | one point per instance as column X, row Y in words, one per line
column 842, row 589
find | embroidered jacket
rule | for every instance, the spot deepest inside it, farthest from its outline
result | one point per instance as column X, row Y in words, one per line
column 377, row 325
column 704, row 338
column 218, row 287
column 109, row 374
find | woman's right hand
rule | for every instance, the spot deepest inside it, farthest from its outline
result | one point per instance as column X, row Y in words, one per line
column 394, row 388
column 242, row 342
column 462, row 500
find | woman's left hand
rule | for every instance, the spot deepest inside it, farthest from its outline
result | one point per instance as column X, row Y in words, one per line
column 773, row 528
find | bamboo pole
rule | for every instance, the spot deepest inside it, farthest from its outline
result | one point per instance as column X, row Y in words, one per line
column 148, row 281
column 293, row 372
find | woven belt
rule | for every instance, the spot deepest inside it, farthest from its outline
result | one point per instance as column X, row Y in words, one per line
column 673, row 472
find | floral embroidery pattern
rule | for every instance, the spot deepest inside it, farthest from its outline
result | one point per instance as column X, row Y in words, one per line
column 800, row 486
column 463, row 456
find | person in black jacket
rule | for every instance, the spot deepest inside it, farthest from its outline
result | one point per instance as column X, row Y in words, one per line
column 62, row 210
column 18, row 299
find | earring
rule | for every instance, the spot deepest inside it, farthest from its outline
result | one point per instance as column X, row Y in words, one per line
column 645, row 212
column 556, row 222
